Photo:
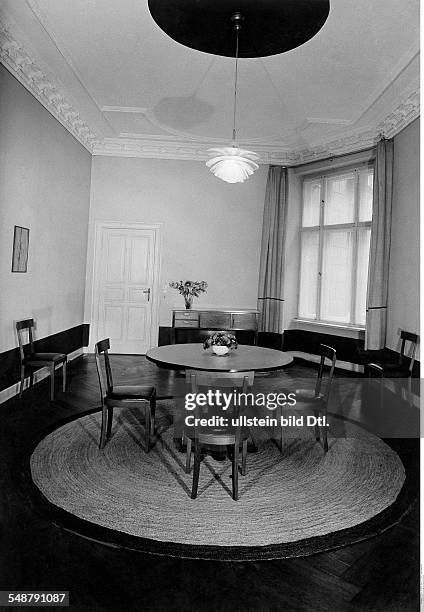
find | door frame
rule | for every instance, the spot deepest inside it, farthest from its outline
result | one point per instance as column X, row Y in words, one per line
column 99, row 227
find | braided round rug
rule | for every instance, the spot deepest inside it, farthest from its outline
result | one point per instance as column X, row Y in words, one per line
column 290, row 504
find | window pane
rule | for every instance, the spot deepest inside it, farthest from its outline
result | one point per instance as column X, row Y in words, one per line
column 336, row 275
column 339, row 199
column 308, row 275
column 366, row 179
column 311, row 203
column 364, row 237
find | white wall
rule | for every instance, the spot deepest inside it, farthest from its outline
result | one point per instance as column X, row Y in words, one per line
column 211, row 230
column 404, row 280
column 45, row 186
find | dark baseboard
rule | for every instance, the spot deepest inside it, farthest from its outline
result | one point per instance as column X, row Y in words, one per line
column 184, row 335
column 291, row 340
column 348, row 349
column 85, row 334
column 270, row 340
column 387, row 355
column 164, row 336
column 63, row 342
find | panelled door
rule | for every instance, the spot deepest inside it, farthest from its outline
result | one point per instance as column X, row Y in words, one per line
column 125, row 288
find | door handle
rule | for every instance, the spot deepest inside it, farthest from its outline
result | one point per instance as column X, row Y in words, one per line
column 148, row 293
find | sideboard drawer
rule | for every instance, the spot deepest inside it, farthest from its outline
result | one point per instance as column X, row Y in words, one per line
column 244, row 320
column 185, row 315
column 215, row 320
column 185, row 323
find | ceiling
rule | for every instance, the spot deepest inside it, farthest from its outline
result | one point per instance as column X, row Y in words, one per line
column 123, row 87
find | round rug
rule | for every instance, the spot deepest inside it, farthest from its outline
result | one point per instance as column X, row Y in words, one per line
column 286, row 499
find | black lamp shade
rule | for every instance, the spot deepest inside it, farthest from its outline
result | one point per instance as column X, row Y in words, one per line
column 269, row 26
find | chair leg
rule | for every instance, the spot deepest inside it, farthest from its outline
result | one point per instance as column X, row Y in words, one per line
column 147, row 426
column 281, row 431
column 21, row 388
column 64, row 376
column 105, row 422
column 152, row 415
column 196, row 469
column 188, row 455
column 324, row 432
column 235, row 472
column 316, row 428
column 109, row 421
column 409, row 391
column 324, row 438
column 52, row 373
column 243, row 458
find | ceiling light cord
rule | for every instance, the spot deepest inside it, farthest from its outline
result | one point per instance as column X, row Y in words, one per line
column 231, row 164
column 237, row 28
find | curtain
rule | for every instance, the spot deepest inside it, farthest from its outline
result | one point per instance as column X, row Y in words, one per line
column 378, row 271
column 271, row 271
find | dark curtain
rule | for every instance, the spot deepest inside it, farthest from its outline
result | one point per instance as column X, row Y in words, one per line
column 271, row 272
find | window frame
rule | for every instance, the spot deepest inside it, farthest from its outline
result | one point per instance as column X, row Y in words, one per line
column 356, row 225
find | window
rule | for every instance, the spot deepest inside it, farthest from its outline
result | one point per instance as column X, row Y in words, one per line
column 335, row 242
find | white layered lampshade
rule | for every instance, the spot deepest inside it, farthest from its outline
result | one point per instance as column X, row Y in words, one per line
column 232, row 164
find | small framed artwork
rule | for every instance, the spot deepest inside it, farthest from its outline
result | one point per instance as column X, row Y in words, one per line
column 20, row 249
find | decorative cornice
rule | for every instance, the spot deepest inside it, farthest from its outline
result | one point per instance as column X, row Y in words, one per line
column 172, row 148
column 349, row 143
column 406, row 112
column 25, row 68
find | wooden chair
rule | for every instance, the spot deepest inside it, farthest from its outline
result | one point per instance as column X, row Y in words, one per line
column 398, row 368
column 30, row 360
column 227, row 437
column 317, row 399
column 141, row 396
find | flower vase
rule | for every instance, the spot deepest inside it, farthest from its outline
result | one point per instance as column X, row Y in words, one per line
column 188, row 299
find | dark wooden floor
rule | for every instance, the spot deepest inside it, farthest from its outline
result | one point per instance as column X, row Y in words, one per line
column 379, row 574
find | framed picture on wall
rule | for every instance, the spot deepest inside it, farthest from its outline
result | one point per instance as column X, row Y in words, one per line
column 20, row 249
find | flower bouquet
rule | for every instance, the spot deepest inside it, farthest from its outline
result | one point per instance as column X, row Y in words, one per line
column 221, row 342
column 189, row 290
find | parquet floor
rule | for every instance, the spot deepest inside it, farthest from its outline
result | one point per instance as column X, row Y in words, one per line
column 379, row 574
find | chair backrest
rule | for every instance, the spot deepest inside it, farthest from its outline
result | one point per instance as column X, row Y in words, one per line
column 101, row 348
column 405, row 337
column 326, row 352
column 22, row 327
column 201, row 378
column 219, row 380
column 214, row 381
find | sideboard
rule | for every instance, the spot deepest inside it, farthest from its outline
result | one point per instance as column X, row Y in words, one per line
column 213, row 320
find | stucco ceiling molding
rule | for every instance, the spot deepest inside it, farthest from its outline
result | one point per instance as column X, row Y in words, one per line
column 341, row 146
column 173, row 149
column 406, row 112
column 25, row 68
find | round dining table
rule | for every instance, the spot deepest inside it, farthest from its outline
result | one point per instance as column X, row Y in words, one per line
column 192, row 356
